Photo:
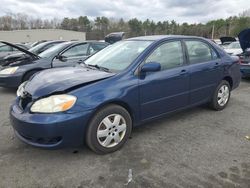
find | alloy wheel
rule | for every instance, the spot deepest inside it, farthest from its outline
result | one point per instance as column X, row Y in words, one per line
column 223, row 95
column 111, row 130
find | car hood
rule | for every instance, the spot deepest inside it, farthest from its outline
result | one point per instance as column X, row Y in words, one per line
column 29, row 61
column 17, row 58
column 58, row 80
column 244, row 39
column 14, row 55
column 20, row 61
column 227, row 39
column 20, row 49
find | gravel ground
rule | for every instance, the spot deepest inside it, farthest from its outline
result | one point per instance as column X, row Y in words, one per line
column 194, row 148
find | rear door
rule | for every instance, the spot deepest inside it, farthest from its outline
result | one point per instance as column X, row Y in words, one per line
column 72, row 56
column 166, row 90
column 205, row 70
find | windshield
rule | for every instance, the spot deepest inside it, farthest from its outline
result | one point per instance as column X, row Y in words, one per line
column 53, row 51
column 118, row 56
column 234, row 45
column 37, row 48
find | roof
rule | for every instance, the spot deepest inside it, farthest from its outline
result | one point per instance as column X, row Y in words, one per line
column 159, row 37
column 85, row 41
column 117, row 33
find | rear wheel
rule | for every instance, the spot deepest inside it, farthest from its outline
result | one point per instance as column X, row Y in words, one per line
column 221, row 96
column 109, row 129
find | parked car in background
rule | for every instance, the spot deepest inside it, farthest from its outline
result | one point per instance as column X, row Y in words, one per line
column 7, row 50
column 244, row 38
column 245, row 64
column 225, row 41
column 234, row 48
column 216, row 41
column 124, row 85
column 114, row 37
column 35, row 50
column 62, row 55
column 37, row 42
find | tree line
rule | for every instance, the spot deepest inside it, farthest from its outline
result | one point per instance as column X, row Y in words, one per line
column 101, row 26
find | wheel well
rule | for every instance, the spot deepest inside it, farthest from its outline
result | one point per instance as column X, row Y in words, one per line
column 120, row 103
column 230, row 81
column 33, row 70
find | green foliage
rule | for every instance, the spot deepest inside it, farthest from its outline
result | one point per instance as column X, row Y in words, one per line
column 101, row 26
column 84, row 23
column 135, row 27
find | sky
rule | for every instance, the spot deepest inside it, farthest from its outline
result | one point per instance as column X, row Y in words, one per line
column 191, row 11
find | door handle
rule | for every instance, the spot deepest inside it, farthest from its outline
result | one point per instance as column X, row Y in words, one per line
column 216, row 64
column 183, row 72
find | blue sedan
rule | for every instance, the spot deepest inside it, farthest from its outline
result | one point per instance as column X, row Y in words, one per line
column 125, row 85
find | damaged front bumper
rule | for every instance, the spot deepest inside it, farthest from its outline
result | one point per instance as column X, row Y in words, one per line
column 49, row 130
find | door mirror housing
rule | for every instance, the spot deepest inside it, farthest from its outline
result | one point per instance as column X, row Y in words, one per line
column 151, row 67
column 61, row 58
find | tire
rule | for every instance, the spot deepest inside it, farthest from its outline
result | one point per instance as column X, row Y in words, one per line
column 220, row 102
column 111, row 135
column 27, row 76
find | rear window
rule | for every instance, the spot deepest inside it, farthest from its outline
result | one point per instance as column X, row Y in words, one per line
column 199, row 52
column 234, row 45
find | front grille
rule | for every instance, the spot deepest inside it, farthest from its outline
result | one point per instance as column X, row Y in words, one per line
column 24, row 101
column 44, row 141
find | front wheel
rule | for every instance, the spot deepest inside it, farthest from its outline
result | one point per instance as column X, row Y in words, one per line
column 221, row 96
column 28, row 75
column 109, row 129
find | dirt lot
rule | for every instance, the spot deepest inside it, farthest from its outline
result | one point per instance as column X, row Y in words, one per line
column 195, row 148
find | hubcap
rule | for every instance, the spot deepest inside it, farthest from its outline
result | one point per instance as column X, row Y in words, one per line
column 223, row 95
column 111, row 130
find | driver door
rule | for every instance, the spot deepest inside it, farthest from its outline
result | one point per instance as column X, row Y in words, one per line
column 72, row 56
column 168, row 89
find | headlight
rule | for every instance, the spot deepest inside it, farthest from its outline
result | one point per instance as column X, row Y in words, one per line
column 20, row 89
column 54, row 103
column 7, row 71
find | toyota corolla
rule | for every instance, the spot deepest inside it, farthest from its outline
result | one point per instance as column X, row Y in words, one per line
column 126, row 84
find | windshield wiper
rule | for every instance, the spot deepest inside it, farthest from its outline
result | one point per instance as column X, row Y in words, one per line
column 99, row 67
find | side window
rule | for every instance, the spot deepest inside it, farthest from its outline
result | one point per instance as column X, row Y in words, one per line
column 96, row 47
column 199, row 52
column 169, row 55
column 5, row 48
column 79, row 50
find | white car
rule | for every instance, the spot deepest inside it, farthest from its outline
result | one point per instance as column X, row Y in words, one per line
column 234, row 48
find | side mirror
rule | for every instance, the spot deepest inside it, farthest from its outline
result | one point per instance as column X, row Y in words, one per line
column 151, row 67
column 61, row 58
